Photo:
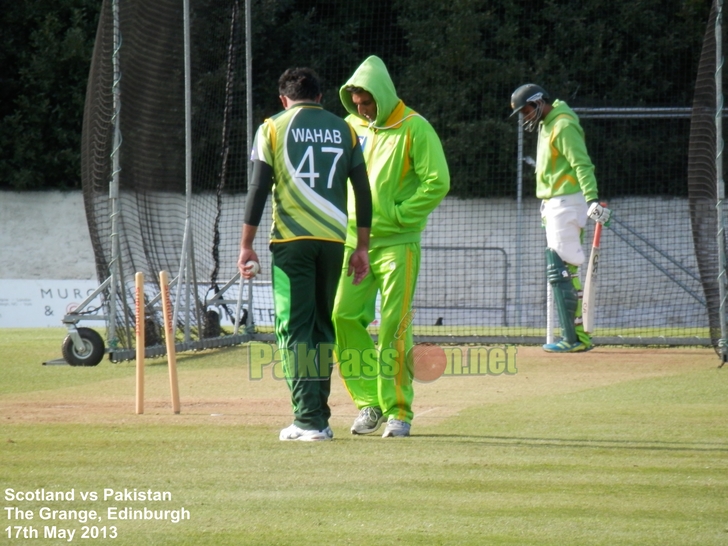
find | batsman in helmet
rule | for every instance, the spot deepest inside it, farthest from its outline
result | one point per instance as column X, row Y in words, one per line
column 567, row 187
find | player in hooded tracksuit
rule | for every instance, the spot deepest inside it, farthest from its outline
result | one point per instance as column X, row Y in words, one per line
column 408, row 176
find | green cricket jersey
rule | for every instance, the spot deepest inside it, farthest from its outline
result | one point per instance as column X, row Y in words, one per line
column 408, row 173
column 563, row 166
column 312, row 152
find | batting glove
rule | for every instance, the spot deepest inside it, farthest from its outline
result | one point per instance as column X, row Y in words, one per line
column 599, row 213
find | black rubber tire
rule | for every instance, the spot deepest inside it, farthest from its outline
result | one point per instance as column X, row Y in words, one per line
column 152, row 334
column 93, row 348
column 212, row 326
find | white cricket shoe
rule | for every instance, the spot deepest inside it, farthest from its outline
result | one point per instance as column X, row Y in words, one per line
column 396, row 428
column 297, row 433
column 368, row 421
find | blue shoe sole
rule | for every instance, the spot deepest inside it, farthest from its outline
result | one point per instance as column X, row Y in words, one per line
column 559, row 348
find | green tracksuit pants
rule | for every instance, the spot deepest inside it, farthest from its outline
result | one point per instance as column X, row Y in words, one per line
column 381, row 375
column 305, row 276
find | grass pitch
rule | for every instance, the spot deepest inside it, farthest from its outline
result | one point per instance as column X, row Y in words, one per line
column 615, row 446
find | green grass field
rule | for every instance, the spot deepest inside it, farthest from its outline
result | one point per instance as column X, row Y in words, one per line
column 615, row 446
column 516, row 332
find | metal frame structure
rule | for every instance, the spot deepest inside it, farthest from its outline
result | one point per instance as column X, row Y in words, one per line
column 79, row 342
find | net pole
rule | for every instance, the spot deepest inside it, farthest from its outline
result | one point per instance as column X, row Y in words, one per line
column 184, row 259
column 519, row 215
column 249, row 80
column 723, row 343
column 115, row 265
column 249, row 128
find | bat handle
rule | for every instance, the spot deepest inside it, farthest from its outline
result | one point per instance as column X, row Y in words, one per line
column 597, row 234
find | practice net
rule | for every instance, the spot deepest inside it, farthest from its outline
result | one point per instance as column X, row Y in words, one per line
column 137, row 83
column 483, row 269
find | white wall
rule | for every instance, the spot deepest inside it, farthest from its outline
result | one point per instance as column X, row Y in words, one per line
column 45, row 236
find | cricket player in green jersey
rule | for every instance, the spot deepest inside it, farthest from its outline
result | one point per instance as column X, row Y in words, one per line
column 307, row 155
column 409, row 177
column 567, row 187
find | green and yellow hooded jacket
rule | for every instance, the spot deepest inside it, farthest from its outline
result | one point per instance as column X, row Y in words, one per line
column 563, row 166
column 408, row 173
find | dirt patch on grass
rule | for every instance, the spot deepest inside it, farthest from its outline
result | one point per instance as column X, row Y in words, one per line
column 226, row 396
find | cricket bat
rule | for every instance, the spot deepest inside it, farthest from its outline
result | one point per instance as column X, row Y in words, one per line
column 590, row 289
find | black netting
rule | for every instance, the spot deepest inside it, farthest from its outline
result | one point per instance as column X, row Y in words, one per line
column 482, row 273
column 152, row 203
column 702, row 186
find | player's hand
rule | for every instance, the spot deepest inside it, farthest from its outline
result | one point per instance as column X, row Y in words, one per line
column 359, row 265
column 599, row 213
column 247, row 255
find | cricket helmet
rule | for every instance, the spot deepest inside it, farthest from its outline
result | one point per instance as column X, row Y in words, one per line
column 529, row 93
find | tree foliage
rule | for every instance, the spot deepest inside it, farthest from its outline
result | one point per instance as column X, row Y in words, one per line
column 46, row 51
column 455, row 62
column 467, row 56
